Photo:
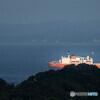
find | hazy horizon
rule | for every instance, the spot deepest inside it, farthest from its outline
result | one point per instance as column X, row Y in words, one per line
column 50, row 21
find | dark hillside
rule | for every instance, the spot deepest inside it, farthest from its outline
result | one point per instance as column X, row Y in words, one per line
column 56, row 85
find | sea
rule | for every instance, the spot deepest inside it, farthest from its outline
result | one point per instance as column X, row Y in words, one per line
column 19, row 61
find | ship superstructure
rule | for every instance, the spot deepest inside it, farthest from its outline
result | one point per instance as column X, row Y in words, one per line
column 72, row 60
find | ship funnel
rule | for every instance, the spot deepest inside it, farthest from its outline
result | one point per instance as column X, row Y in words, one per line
column 68, row 54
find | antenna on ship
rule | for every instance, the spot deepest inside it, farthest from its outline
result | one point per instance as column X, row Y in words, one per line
column 68, row 54
column 92, row 52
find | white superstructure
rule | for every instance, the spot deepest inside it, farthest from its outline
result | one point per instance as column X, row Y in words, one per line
column 75, row 60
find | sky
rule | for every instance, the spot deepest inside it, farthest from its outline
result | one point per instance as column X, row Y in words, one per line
column 29, row 11
column 50, row 21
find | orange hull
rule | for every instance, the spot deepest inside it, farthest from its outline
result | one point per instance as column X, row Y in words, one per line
column 98, row 65
column 57, row 65
column 60, row 65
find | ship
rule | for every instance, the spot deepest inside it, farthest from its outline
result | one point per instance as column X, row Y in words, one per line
column 76, row 60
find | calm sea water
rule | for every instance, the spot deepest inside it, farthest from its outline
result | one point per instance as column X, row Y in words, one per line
column 18, row 62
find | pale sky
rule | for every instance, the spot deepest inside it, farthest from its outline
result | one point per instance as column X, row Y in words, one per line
column 28, row 11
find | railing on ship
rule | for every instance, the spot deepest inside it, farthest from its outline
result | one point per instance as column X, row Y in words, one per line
column 55, row 62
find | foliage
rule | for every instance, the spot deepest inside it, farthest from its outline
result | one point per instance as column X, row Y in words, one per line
column 55, row 85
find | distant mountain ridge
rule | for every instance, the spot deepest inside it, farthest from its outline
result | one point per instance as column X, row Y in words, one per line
column 51, row 31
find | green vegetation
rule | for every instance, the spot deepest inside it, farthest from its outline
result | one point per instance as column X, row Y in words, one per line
column 55, row 85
